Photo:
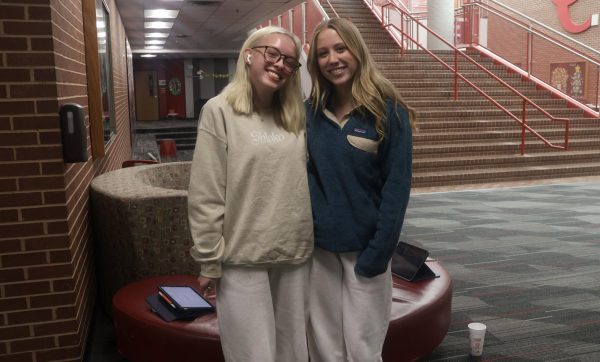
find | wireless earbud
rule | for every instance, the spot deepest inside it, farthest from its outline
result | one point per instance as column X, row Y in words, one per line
column 249, row 58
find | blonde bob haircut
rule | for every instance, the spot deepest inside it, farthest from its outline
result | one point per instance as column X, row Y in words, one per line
column 370, row 89
column 288, row 108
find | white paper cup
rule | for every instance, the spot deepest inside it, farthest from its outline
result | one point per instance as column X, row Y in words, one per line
column 476, row 338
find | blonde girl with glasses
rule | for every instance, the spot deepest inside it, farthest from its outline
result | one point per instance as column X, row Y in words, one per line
column 360, row 146
column 249, row 207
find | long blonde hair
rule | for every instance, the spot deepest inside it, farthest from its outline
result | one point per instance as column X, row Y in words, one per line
column 287, row 101
column 370, row 88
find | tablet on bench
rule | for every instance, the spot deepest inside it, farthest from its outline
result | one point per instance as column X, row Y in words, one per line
column 178, row 302
column 408, row 263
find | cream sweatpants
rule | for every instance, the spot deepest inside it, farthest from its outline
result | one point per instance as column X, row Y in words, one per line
column 262, row 313
column 348, row 314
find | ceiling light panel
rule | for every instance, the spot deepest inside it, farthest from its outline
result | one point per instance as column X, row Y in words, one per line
column 158, row 25
column 155, row 42
column 160, row 14
column 156, row 35
column 153, row 47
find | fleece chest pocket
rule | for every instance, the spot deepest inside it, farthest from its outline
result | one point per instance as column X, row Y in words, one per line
column 363, row 144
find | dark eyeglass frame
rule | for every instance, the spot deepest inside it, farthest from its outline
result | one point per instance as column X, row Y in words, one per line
column 291, row 68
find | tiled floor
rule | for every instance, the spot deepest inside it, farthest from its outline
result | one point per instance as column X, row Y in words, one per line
column 524, row 260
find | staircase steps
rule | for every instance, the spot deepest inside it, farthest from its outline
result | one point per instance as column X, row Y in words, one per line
column 469, row 140
column 183, row 140
column 160, row 130
column 485, row 125
column 464, row 91
column 489, row 111
column 422, row 102
column 508, row 174
column 185, row 137
column 400, row 75
column 445, row 83
column 487, row 161
column 464, row 135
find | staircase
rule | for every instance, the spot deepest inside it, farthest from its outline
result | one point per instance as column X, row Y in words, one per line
column 470, row 141
column 148, row 137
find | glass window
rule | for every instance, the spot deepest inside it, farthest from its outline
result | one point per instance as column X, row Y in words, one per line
column 105, row 63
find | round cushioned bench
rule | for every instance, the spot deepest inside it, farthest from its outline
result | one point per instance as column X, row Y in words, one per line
column 420, row 320
column 140, row 225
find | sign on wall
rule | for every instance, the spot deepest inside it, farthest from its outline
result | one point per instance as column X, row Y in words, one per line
column 562, row 9
column 175, row 86
column 569, row 78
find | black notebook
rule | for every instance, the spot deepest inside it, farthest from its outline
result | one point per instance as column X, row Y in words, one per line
column 408, row 263
column 178, row 302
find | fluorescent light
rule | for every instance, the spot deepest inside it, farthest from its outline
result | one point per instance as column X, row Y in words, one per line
column 148, row 55
column 153, row 47
column 158, row 24
column 155, row 42
column 160, row 14
column 156, row 35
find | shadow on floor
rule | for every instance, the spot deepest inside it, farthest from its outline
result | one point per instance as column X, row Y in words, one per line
column 102, row 345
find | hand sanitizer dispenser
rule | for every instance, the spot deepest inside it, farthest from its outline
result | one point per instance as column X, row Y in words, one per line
column 73, row 132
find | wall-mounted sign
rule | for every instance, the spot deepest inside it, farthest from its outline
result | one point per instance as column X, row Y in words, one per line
column 568, row 78
column 562, row 8
column 175, row 86
column 202, row 74
column 162, row 82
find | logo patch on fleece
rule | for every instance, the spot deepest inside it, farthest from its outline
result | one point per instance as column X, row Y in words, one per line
column 360, row 130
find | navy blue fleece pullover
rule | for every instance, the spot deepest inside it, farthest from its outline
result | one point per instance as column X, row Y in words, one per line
column 359, row 189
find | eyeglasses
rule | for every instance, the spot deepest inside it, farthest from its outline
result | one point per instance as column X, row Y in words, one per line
column 273, row 55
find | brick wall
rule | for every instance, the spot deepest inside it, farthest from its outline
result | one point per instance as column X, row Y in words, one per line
column 47, row 285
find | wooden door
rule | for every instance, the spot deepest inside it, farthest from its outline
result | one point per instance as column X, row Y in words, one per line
column 146, row 95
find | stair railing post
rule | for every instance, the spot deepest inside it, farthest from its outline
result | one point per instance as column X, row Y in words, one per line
column 455, row 74
column 387, row 14
column 474, row 37
column 304, row 32
column 567, row 125
column 523, row 120
column 402, row 41
column 529, row 61
column 597, row 88
column 412, row 27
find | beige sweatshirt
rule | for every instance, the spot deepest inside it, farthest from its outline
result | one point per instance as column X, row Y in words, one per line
column 248, row 201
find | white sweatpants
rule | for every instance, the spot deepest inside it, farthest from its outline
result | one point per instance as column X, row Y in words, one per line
column 262, row 313
column 349, row 314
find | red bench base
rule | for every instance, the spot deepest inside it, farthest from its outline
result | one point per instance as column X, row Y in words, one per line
column 420, row 320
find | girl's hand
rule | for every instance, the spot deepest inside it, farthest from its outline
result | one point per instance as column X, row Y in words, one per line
column 208, row 287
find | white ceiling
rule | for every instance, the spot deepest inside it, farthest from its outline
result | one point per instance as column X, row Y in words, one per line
column 203, row 28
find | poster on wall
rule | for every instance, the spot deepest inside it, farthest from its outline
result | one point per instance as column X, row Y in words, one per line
column 175, row 86
column 569, row 78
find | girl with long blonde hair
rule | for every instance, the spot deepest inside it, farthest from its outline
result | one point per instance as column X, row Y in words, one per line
column 360, row 166
column 248, row 204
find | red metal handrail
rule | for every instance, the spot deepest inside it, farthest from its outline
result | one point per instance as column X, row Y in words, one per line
column 522, row 121
column 332, row 9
